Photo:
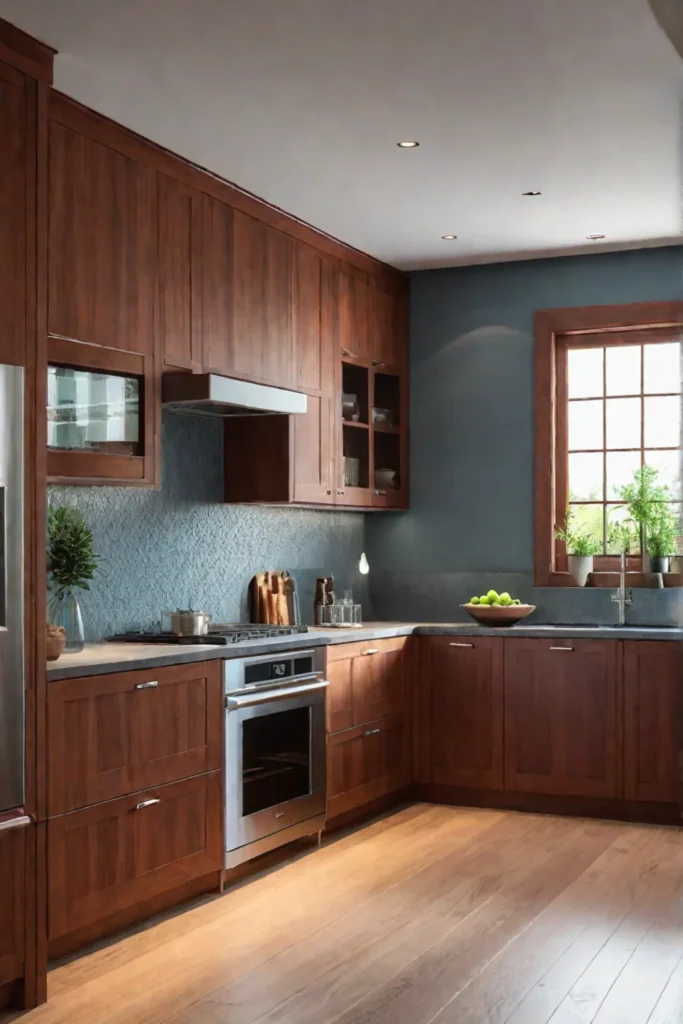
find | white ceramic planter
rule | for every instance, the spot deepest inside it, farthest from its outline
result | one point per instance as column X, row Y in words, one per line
column 580, row 566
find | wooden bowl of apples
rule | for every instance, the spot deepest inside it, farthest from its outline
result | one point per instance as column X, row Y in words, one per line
column 494, row 609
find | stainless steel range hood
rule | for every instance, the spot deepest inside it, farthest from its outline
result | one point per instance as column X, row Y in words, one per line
column 208, row 394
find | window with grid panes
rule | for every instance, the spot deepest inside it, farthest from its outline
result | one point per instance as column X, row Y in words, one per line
column 623, row 410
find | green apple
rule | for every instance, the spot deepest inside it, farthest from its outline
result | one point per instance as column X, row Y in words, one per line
column 505, row 598
column 474, row 600
column 516, row 601
column 484, row 599
column 492, row 596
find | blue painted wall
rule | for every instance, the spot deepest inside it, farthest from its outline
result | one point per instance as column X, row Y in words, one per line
column 471, row 518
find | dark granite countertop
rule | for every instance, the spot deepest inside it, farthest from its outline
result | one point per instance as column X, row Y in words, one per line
column 98, row 659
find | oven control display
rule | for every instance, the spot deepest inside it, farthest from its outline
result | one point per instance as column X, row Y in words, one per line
column 280, row 669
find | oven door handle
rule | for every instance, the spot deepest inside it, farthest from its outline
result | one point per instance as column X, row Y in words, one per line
column 271, row 696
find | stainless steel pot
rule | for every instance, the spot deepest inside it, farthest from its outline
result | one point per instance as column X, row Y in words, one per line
column 187, row 623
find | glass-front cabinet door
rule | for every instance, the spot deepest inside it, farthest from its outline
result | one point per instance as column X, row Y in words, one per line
column 100, row 423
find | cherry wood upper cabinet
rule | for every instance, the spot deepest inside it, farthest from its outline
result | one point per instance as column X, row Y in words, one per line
column 462, row 712
column 102, row 242
column 652, row 705
column 13, row 215
column 389, row 340
column 355, row 313
column 262, row 297
column 180, row 267
column 12, row 902
column 314, row 319
column 561, row 717
column 218, row 335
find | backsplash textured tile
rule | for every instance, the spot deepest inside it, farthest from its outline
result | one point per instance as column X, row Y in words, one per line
column 180, row 546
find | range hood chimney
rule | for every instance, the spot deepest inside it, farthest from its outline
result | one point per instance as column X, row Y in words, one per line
column 209, row 394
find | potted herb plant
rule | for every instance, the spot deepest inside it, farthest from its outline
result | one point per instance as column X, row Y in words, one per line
column 581, row 545
column 71, row 564
column 661, row 537
column 651, row 515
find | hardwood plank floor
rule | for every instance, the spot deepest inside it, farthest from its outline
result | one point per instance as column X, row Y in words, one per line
column 433, row 915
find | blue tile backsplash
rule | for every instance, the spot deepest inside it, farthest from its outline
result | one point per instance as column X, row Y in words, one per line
column 181, row 546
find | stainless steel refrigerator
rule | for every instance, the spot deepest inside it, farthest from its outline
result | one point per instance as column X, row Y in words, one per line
column 11, row 587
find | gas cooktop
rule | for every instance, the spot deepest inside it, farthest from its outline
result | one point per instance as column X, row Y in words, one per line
column 229, row 633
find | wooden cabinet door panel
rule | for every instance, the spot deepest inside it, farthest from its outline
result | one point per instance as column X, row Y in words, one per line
column 217, row 242
column 312, row 452
column 117, row 734
column 463, row 692
column 263, row 306
column 366, row 763
column 13, row 844
column 102, row 244
column 653, row 677
column 13, row 172
column 338, row 696
column 377, row 684
column 112, row 856
column 561, row 717
column 389, row 340
column 354, row 313
column 179, row 317
column 314, row 321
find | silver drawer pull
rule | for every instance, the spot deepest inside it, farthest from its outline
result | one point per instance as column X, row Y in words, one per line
column 380, row 494
column 147, row 803
column 461, row 645
column 146, row 686
column 371, row 650
column 11, row 823
column 561, row 648
column 371, row 732
column 280, row 814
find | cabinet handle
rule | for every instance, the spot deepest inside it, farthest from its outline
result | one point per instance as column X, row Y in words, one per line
column 380, row 494
column 561, row 648
column 146, row 686
column 371, row 732
column 351, row 355
column 371, row 650
column 461, row 645
column 329, row 492
column 11, row 823
column 147, row 803
column 378, row 362
column 341, row 492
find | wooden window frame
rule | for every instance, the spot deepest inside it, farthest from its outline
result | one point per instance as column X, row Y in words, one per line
column 553, row 329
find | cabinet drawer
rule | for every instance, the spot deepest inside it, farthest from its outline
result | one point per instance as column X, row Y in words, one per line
column 339, row 652
column 117, row 734
column 366, row 763
column 110, row 857
column 366, row 686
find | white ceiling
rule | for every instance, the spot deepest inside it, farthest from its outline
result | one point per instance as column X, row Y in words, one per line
column 303, row 101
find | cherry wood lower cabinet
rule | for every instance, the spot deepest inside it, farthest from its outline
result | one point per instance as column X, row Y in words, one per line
column 653, row 681
column 368, row 751
column 116, row 734
column 561, row 723
column 462, row 712
column 110, row 857
column 365, row 764
column 366, row 682
column 13, row 843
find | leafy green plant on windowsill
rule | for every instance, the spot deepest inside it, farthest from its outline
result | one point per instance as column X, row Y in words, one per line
column 644, row 498
column 577, row 539
column 663, row 532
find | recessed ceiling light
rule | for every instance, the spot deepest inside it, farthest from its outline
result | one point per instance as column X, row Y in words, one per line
column 408, row 144
column 594, row 238
column 449, row 238
column 533, row 193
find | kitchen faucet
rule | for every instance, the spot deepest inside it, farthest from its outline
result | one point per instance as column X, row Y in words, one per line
column 622, row 598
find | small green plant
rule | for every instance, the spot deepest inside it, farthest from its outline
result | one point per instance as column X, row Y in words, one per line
column 578, row 540
column 622, row 536
column 662, row 532
column 71, row 560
